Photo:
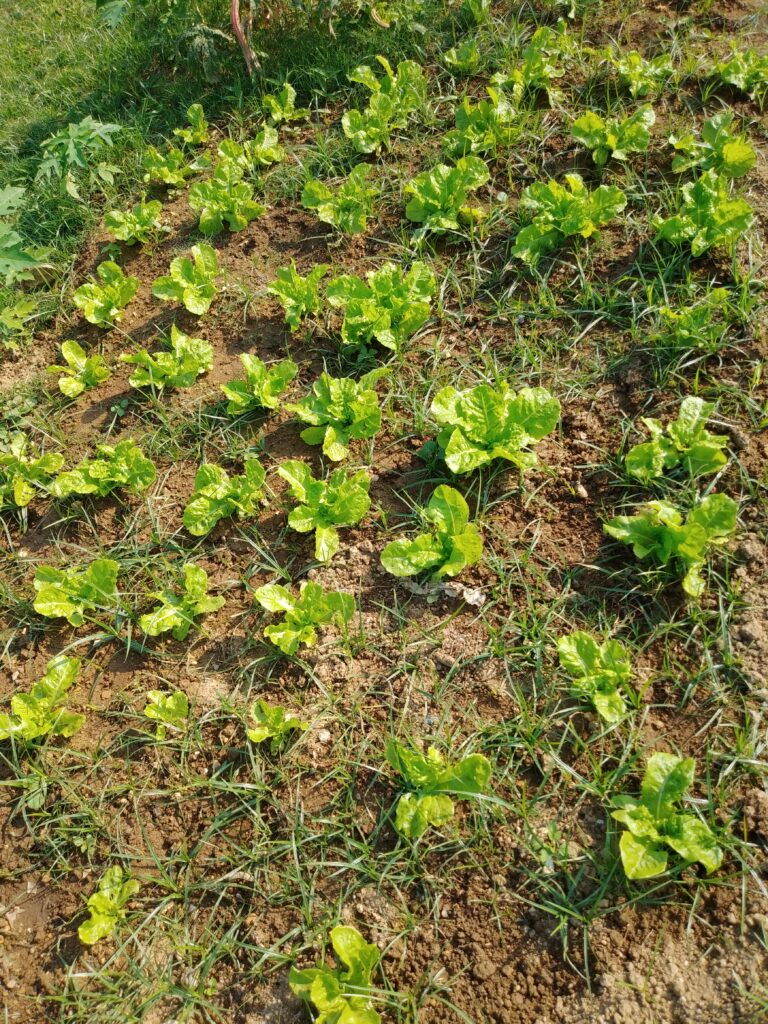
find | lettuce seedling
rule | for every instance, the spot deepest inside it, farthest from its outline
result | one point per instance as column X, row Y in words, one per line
column 281, row 106
column 107, row 905
column 104, row 304
column 684, row 442
column 177, row 611
column 745, row 70
column 222, row 200
column 641, row 76
column 482, row 127
column 169, row 710
column 719, row 149
column 299, row 296
column 197, row 133
column 701, row 325
column 390, row 307
column 341, row 996
column 262, row 387
column 191, row 281
column 172, row 168
column 141, row 224
column 273, row 723
column 538, row 71
column 349, row 207
column 429, row 781
column 179, row 367
column 74, row 593
column 707, row 216
column 561, row 211
column 340, row 500
column 439, row 197
column 121, row 465
column 340, row 410
column 23, row 473
column 659, row 530
column 450, row 543
column 394, row 97
column 598, row 672
column 655, row 823
column 614, row 139
column 82, row 372
column 301, row 616
column 486, row 423
column 39, row 712
column 463, row 59
column 217, row 496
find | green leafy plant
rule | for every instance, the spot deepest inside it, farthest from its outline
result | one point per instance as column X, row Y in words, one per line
column 656, row 825
column 561, row 211
column 141, row 224
column 429, row 780
column 197, row 133
column 349, row 207
column 222, row 200
column 82, row 372
column 302, row 616
column 685, row 441
column 39, row 712
column 612, row 138
column 539, row 69
column 394, row 96
column 702, row 324
column 745, row 70
column 217, row 496
column 15, row 261
column 707, row 216
column 281, row 106
column 72, row 152
column 104, row 303
column 719, row 149
column 262, row 387
column 324, row 505
column 172, row 168
column 340, row 410
column 341, row 996
column 658, row 530
column 439, row 197
column 179, row 367
column 191, row 281
column 450, row 543
column 299, row 296
column 463, row 59
column 273, row 723
column 74, row 593
column 17, row 311
column 169, row 710
column 238, row 159
column 177, row 611
column 482, row 127
column 598, row 672
column 390, row 306
column 23, row 473
column 643, row 77
column 121, row 465
column 107, row 906
column 486, row 423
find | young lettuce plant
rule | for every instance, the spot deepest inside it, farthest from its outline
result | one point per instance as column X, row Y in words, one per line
column 390, row 307
column 217, row 496
column 303, row 615
column 169, row 710
column 701, row 325
column 643, row 77
column 429, row 781
column 598, row 672
column 450, row 544
column 658, row 530
column 538, row 71
column 299, row 296
column 394, row 97
column 439, row 197
column 104, row 304
column 746, row 70
column 176, row 612
column 39, row 712
column 486, row 423
column 656, row 825
column 179, row 367
column 23, row 473
column 281, row 106
column 614, row 139
column 223, row 200
column 348, row 208
column 262, row 387
column 197, row 133
column 82, row 372
column 685, row 441
column 340, row 410
column 342, row 995
column 107, row 906
column 719, row 149
column 560, row 211
column 464, row 58
column 172, row 168
column 484, row 127
column 73, row 594
column 272, row 722
column 190, row 281
column 120, row 465
column 707, row 216
column 324, row 505
column 141, row 224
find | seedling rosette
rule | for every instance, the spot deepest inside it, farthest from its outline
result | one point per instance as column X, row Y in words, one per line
column 299, row 296
column 439, row 198
column 684, row 442
column 23, row 473
column 107, row 906
column 103, row 302
column 82, row 372
column 598, row 671
column 341, row 995
column 185, row 360
column 191, row 281
column 217, row 496
column 39, row 712
column 303, row 615
column 707, row 216
column 262, row 386
column 612, row 139
column 272, row 722
column 340, row 410
column 325, row 505
column 121, row 465
column 169, row 710
column 73, row 594
column 177, row 612
column 348, row 208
